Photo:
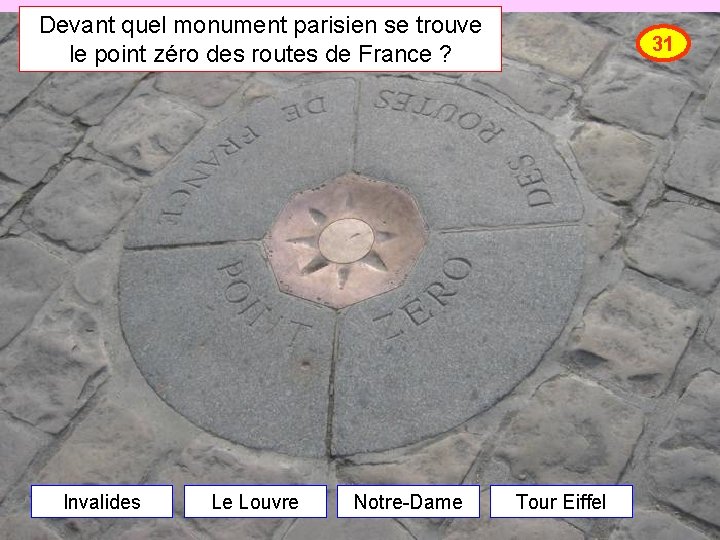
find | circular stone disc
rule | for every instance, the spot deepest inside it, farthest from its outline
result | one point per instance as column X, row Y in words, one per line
column 215, row 337
column 346, row 240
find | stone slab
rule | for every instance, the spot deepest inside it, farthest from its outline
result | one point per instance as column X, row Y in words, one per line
column 87, row 96
column 206, row 460
column 155, row 529
column 8, row 22
column 689, row 479
column 333, row 528
column 207, row 89
column 445, row 461
column 347, row 529
column 678, row 244
column 82, row 204
column 54, row 368
column 216, row 339
column 21, row 527
column 635, row 337
column 231, row 183
column 487, row 528
column 146, row 132
column 695, row 166
column 33, row 141
column 554, row 41
column 704, row 30
column 564, row 435
column 656, row 525
column 531, row 90
column 618, row 94
column 9, row 195
column 696, row 421
column 113, row 445
column 18, row 446
column 712, row 335
column 711, row 105
column 471, row 322
column 430, row 137
column 615, row 162
column 28, row 275
column 15, row 85
column 620, row 23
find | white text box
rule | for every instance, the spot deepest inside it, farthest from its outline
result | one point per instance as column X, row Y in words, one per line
column 244, row 501
column 408, row 501
column 267, row 38
column 112, row 501
column 568, row 501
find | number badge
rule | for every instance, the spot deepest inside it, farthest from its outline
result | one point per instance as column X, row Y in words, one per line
column 663, row 43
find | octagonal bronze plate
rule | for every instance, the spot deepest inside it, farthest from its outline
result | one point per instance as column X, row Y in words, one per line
column 346, row 241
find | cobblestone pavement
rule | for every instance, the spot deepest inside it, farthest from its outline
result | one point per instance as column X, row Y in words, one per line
column 629, row 393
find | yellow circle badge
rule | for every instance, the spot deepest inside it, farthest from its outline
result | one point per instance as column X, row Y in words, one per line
column 663, row 43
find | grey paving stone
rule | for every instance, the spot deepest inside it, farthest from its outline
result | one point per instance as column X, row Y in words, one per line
column 619, row 92
column 695, row 167
column 689, row 479
column 87, row 96
column 347, row 529
column 487, row 528
column 209, row 461
column 242, row 173
column 430, row 137
column 21, row 527
column 15, row 86
column 656, row 525
column 207, row 89
column 82, row 204
column 18, row 446
column 445, row 461
column 508, row 529
column 94, row 277
column 711, row 106
column 712, row 336
column 113, row 445
column 685, row 466
column 615, row 162
column 8, row 22
column 155, row 530
column 532, row 91
column 679, row 245
column 603, row 231
column 638, row 335
column 621, row 23
column 216, row 339
column 33, row 141
column 704, row 30
column 553, row 41
column 28, row 275
column 471, row 322
column 51, row 372
column 696, row 419
column 146, row 132
column 571, row 431
column 9, row 195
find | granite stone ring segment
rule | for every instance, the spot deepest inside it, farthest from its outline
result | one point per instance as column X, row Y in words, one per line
column 351, row 266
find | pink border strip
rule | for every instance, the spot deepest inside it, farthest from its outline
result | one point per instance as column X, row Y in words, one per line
column 508, row 5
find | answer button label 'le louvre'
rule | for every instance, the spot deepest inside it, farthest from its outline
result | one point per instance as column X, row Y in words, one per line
column 277, row 501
